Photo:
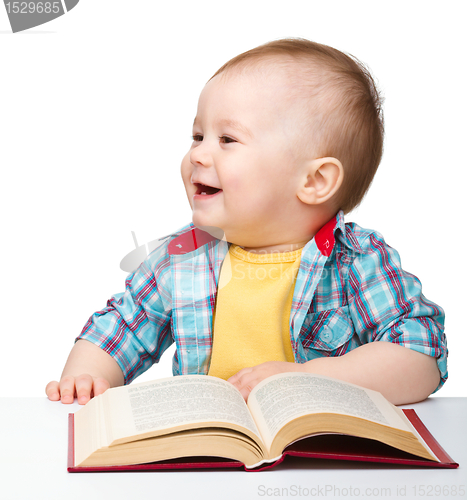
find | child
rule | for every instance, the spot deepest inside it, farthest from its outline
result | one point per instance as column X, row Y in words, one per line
column 287, row 137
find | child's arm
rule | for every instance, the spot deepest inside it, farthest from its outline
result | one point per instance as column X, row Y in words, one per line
column 125, row 338
column 403, row 350
column 89, row 371
column 401, row 374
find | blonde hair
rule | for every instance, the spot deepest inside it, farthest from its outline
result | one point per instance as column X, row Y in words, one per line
column 344, row 101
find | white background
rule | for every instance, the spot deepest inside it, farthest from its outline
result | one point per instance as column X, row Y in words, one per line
column 96, row 110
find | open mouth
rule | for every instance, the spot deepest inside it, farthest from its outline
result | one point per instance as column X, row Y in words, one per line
column 202, row 189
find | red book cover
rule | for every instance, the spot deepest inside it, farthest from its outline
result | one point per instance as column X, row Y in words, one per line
column 330, row 447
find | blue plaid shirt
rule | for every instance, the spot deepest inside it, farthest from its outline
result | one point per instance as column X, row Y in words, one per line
column 350, row 290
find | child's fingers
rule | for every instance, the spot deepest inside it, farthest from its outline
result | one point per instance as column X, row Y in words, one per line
column 52, row 391
column 242, row 380
column 100, row 386
column 83, row 385
column 67, row 389
column 248, row 378
column 235, row 379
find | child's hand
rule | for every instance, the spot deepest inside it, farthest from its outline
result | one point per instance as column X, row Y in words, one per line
column 84, row 387
column 85, row 358
column 245, row 380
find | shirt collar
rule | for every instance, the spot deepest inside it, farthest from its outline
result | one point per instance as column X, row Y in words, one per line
column 325, row 238
column 189, row 241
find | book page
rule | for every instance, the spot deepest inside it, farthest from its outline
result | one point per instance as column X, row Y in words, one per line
column 284, row 397
column 176, row 401
column 90, row 420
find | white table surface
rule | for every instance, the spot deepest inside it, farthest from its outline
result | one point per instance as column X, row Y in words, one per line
column 33, row 440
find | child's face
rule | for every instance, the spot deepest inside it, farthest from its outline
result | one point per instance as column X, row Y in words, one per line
column 240, row 174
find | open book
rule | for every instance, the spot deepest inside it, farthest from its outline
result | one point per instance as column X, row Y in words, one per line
column 170, row 421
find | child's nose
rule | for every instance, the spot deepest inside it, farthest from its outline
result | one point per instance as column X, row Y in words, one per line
column 201, row 155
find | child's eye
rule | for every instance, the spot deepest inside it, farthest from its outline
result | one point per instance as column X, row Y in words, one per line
column 197, row 137
column 226, row 140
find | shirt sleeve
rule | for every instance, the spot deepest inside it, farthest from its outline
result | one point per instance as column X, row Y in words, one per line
column 134, row 327
column 386, row 303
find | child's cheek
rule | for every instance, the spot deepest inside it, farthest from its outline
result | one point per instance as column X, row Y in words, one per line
column 186, row 171
column 237, row 182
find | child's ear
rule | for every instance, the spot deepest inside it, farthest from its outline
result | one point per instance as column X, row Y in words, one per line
column 322, row 178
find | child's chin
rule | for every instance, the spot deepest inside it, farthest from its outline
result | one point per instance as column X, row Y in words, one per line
column 205, row 225
column 198, row 220
column 215, row 232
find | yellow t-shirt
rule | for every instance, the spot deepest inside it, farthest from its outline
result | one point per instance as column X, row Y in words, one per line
column 251, row 318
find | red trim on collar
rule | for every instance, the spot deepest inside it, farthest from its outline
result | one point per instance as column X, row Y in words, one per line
column 324, row 238
column 189, row 241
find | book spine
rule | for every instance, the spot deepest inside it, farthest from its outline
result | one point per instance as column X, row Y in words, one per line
column 426, row 435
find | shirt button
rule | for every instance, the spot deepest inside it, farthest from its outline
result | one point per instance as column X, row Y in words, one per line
column 326, row 335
